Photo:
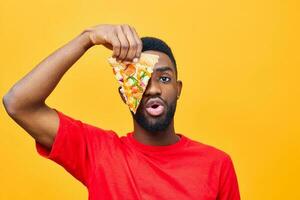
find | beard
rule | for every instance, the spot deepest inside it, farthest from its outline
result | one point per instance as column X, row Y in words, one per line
column 155, row 124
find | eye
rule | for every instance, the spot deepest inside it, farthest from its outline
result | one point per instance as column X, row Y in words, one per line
column 165, row 79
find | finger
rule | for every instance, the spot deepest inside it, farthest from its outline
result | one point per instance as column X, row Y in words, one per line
column 124, row 43
column 138, row 41
column 116, row 46
column 132, row 43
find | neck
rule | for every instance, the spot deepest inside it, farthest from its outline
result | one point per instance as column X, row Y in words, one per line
column 160, row 138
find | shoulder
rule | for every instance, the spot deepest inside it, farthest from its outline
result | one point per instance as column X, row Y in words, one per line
column 210, row 152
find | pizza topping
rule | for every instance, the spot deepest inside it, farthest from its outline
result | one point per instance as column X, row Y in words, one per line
column 129, row 70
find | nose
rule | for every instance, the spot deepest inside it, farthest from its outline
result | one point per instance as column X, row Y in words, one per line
column 153, row 88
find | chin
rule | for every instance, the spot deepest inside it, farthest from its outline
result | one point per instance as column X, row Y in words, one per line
column 153, row 123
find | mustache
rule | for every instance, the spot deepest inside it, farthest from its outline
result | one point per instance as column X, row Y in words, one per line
column 153, row 97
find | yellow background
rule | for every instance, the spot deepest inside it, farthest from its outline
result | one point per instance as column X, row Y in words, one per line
column 239, row 62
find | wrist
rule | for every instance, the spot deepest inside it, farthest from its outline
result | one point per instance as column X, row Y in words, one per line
column 86, row 39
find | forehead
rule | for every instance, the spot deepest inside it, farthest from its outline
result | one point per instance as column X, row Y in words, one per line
column 163, row 60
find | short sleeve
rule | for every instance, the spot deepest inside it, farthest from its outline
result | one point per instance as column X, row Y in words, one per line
column 74, row 146
column 228, row 185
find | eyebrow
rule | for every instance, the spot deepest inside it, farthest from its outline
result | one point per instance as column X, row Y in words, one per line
column 163, row 69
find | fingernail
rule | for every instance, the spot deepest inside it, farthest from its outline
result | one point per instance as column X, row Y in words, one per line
column 135, row 60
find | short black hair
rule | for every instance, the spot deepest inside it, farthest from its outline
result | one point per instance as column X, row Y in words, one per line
column 155, row 44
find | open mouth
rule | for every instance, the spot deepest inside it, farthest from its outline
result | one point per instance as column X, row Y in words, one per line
column 155, row 109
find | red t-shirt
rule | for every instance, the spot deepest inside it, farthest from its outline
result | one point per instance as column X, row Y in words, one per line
column 113, row 167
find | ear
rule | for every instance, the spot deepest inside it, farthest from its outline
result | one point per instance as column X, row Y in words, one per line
column 179, row 87
column 121, row 95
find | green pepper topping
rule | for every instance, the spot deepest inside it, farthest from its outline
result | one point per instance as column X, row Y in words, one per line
column 140, row 88
column 143, row 74
column 135, row 102
column 133, row 80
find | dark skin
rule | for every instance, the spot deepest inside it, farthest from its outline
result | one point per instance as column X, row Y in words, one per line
column 164, row 84
column 25, row 101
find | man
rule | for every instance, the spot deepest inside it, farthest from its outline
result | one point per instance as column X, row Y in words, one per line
column 152, row 161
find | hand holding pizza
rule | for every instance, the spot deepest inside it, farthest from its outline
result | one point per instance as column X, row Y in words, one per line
column 122, row 39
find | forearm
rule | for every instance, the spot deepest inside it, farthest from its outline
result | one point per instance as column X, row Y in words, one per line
column 33, row 89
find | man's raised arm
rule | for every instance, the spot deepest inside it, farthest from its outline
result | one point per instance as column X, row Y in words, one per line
column 25, row 101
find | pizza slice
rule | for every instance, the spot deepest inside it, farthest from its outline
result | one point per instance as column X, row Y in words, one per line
column 133, row 77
